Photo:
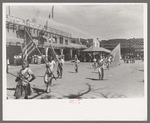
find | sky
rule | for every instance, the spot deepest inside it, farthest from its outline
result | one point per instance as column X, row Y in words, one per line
column 103, row 21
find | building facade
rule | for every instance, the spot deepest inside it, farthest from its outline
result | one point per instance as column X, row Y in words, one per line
column 60, row 40
column 134, row 46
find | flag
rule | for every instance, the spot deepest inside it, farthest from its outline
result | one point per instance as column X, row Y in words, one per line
column 52, row 11
column 52, row 53
column 116, row 55
column 28, row 46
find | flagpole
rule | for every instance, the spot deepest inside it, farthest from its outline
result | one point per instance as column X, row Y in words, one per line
column 19, row 78
column 40, row 53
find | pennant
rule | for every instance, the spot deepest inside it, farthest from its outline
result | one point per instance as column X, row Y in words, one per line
column 52, row 53
column 116, row 56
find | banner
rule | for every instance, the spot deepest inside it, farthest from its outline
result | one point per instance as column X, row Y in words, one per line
column 51, row 52
column 116, row 55
column 28, row 46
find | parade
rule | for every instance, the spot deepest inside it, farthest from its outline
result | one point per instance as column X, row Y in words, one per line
column 47, row 63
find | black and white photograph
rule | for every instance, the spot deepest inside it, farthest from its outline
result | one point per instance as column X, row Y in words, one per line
column 75, row 53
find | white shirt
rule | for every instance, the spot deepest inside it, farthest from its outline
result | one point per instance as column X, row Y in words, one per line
column 94, row 60
column 62, row 60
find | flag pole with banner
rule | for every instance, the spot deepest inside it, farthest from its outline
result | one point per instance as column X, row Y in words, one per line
column 29, row 47
column 116, row 55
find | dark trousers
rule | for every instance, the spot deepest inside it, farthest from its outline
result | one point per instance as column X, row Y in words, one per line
column 101, row 73
column 59, row 71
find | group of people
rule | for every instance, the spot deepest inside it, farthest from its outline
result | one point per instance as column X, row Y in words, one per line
column 130, row 57
column 18, row 59
column 25, row 76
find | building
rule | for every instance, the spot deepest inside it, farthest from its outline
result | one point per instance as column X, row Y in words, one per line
column 134, row 46
column 60, row 40
column 90, row 42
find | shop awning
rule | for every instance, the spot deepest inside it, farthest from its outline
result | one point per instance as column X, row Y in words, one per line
column 77, row 46
column 14, row 41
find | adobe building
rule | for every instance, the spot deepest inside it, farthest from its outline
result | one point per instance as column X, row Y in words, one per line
column 60, row 40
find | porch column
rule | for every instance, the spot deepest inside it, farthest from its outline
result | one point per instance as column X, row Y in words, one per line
column 70, row 54
column 61, row 51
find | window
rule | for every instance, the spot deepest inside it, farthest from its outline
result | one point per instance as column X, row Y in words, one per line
column 37, row 32
column 49, row 37
column 46, row 34
column 61, row 40
column 66, row 41
column 30, row 30
column 55, row 39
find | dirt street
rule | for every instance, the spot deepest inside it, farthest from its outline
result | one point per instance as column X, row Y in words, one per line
column 124, row 81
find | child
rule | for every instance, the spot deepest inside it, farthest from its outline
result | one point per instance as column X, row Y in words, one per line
column 49, row 73
column 25, row 75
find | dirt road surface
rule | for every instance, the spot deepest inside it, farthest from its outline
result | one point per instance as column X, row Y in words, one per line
column 124, row 81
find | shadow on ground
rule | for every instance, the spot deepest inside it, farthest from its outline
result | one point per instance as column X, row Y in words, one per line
column 71, row 72
column 96, row 79
column 40, row 76
column 78, row 96
column 38, row 92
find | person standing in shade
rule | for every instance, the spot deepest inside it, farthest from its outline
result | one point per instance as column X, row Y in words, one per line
column 15, row 60
column 25, row 76
column 49, row 73
column 62, row 64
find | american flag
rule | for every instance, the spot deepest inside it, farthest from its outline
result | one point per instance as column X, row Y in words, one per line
column 28, row 46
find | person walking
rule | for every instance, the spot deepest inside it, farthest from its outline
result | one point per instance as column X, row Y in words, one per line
column 49, row 73
column 101, row 68
column 60, row 67
column 25, row 76
column 94, row 63
column 76, row 63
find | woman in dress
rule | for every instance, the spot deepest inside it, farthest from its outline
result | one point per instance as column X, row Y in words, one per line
column 25, row 76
